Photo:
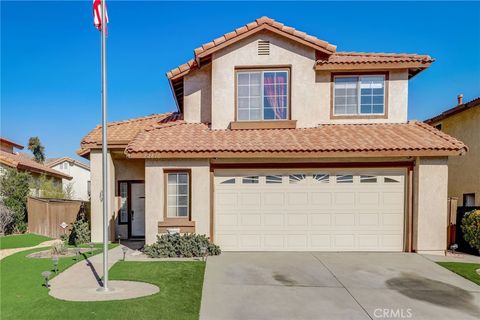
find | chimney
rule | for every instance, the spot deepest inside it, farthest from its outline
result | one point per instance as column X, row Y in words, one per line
column 460, row 99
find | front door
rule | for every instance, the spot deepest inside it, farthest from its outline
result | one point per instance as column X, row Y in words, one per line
column 137, row 210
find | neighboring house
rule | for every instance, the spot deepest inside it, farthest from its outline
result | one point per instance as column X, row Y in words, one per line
column 280, row 142
column 11, row 159
column 463, row 123
column 80, row 173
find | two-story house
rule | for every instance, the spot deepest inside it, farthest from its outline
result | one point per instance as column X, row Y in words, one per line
column 11, row 159
column 281, row 142
column 463, row 122
column 80, row 173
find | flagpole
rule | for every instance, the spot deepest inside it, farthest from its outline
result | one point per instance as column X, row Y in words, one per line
column 104, row 148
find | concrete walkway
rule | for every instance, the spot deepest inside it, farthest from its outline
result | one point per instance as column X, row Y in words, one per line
column 8, row 252
column 331, row 286
column 453, row 257
column 81, row 281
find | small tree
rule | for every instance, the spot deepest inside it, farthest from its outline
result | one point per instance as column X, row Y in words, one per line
column 14, row 190
column 6, row 218
column 471, row 228
column 38, row 150
column 68, row 191
column 48, row 188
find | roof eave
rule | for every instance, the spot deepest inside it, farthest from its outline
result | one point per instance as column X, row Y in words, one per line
column 293, row 154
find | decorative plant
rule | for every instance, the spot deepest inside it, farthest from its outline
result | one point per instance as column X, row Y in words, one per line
column 58, row 248
column 176, row 245
column 471, row 228
column 80, row 233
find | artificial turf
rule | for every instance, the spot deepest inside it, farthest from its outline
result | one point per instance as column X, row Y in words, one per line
column 21, row 240
column 23, row 295
column 466, row 270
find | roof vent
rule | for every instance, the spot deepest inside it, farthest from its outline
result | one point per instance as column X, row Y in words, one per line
column 263, row 47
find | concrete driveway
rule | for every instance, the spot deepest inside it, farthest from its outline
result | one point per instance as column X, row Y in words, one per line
column 313, row 285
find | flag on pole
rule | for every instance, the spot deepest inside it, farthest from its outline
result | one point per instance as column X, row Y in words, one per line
column 97, row 14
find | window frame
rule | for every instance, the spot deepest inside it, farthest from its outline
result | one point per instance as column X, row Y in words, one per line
column 383, row 115
column 465, row 196
column 165, row 194
column 128, row 203
column 264, row 69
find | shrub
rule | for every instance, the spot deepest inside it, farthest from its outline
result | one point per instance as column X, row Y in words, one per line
column 6, row 218
column 14, row 189
column 58, row 248
column 176, row 245
column 80, row 233
column 49, row 188
column 471, row 228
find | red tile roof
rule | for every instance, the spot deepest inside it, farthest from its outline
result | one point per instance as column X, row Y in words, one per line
column 457, row 109
column 8, row 142
column 340, row 58
column 23, row 162
column 121, row 132
column 191, row 140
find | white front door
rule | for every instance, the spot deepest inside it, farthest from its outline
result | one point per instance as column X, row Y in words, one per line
column 138, row 209
column 301, row 210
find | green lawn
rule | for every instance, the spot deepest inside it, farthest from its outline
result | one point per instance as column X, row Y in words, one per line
column 21, row 240
column 466, row 270
column 24, row 297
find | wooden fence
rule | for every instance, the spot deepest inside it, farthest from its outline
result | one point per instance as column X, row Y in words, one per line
column 46, row 215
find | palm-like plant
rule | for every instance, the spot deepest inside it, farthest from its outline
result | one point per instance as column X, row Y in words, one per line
column 38, row 150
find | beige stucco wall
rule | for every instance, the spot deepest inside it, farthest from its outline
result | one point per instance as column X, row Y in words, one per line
column 430, row 205
column 197, row 97
column 214, row 85
column 464, row 171
column 96, row 188
column 154, row 194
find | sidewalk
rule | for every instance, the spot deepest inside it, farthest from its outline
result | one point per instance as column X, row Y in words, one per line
column 81, row 281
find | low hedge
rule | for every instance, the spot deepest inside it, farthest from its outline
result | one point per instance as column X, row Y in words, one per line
column 175, row 245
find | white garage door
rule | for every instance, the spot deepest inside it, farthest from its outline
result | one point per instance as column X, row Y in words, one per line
column 324, row 210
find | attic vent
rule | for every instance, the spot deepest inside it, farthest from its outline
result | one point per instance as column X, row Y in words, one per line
column 263, row 47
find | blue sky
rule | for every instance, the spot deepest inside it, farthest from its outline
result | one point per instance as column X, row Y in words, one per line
column 50, row 55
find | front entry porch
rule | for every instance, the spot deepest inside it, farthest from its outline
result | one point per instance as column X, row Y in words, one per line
column 131, row 214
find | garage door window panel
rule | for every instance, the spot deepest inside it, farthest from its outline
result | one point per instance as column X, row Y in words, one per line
column 250, row 180
column 297, row 178
column 344, row 178
column 273, row 179
column 368, row 179
column 321, row 178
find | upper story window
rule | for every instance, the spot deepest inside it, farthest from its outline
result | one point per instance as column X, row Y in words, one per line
column 359, row 95
column 262, row 95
